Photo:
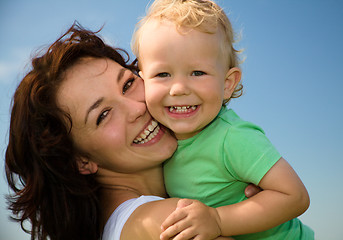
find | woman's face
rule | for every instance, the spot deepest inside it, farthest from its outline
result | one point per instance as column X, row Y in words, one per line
column 111, row 124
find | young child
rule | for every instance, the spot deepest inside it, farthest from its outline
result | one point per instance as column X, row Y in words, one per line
column 190, row 69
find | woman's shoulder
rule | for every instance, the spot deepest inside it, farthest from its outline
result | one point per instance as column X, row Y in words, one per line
column 145, row 221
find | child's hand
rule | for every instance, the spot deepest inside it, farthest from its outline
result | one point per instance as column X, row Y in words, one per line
column 191, row 220
column 224, row 238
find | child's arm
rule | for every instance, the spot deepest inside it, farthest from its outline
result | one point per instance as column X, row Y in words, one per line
column 284, row 198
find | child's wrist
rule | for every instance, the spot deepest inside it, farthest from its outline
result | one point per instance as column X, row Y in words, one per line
column 216, row 216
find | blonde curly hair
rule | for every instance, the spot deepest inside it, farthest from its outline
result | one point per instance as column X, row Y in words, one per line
column 203, row 15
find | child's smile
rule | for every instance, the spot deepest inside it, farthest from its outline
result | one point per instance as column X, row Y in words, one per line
column 182, row 109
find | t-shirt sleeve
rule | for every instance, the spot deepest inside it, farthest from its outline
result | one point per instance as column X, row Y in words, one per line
column 249, row 154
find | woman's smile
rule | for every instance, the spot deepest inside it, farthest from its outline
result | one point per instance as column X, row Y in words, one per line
column 148, row 133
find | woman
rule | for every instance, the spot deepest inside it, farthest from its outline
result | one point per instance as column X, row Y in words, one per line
column 82, row 142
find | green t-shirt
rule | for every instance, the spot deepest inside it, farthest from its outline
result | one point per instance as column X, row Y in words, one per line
column 217, row 164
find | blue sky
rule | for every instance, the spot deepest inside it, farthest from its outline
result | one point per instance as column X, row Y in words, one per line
column 292, row 76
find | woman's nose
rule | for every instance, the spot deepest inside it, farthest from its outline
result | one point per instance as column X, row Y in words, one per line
column 135, row 109
column 179, row 87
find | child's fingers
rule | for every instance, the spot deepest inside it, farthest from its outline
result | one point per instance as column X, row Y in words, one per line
column 185, row 235
column 179, row 230
column 252, row 190
column 173, row 218
column 224, row 238
column 184, row 203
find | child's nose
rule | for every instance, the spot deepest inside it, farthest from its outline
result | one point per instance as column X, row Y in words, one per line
column 179, row 87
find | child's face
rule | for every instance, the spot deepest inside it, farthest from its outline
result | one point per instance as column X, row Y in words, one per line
column 186, row 77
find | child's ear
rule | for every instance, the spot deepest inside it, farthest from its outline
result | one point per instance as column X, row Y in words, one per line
column 233, row 77
column 86, row 167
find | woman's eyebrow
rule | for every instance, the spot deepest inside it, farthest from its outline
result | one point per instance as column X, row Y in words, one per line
column 121, row 74
column 94, row 106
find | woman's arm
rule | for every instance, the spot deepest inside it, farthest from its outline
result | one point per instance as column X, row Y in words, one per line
column 145, row 222
column 284, row 198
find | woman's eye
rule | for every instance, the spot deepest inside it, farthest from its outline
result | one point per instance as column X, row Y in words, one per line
column 128, row 84
column 102, row 116
column 163, row 75
column 198, row 73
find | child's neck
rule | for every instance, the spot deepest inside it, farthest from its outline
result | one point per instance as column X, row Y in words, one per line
column 183, row 136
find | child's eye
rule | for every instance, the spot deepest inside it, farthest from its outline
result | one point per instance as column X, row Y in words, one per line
column 128, row 84
column 198, row 73
column 101, row 117
column 163, row 75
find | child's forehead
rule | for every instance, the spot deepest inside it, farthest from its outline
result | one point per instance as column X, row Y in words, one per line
column 156, row 24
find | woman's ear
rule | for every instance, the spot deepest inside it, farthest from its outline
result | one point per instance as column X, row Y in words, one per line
column 86, row 167
column 233, row 77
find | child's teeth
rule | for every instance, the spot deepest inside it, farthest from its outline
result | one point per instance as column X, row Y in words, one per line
column 182, row 109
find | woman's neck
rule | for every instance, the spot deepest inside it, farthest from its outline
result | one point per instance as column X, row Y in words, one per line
column 116, row 188
column 147, row 182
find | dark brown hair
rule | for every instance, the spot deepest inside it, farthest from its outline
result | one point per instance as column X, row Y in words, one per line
column 41, row 169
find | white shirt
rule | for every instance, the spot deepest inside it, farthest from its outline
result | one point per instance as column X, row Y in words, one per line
column 115, row 223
